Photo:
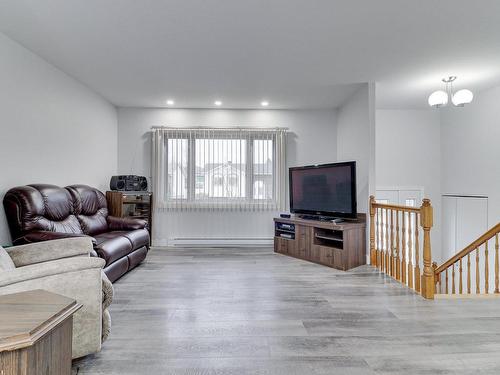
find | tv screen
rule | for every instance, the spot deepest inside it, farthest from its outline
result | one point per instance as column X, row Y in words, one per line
column 325, row 190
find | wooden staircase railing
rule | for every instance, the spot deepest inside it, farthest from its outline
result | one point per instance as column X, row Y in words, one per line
column 449, row 276
column 395, row 244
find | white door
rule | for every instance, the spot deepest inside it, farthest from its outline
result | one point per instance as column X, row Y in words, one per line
column 464, row 219
column 401, row 196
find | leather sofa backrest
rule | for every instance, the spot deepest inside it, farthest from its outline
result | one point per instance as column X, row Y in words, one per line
column 91, row 208
column 40, row 208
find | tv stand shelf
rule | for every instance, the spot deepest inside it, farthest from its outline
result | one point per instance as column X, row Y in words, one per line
column 341, row 246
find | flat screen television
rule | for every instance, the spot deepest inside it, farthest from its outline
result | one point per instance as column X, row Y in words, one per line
column 324, row 190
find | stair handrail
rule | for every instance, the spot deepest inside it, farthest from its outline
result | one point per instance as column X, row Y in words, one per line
column 468, row 249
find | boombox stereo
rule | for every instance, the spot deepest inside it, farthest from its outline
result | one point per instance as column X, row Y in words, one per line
column 128, row 183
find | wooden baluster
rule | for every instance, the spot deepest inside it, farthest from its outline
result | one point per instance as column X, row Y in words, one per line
column 446, row 288
column 426, row 221
column 398, row 263
column 486, row 269
column 468, row 273
column 382, row 252
column 453, row 279
column 382, row 239
column 437, row 278
column 373, row 258
column 379, row 247
column 477, row 272
column 403, row 249
column 496, row 264
column 392, row 258
column 417, row 260
column 410, row 253
column 460, row 286
column 376, row 237
column 382, row 245
column 387, row 247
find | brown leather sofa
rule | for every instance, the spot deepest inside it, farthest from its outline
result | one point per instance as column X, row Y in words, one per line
column 47, row 212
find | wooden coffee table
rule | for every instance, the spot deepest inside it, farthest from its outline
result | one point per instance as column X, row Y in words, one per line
column 36, row 330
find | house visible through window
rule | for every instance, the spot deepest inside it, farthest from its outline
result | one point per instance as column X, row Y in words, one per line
column 207, row 167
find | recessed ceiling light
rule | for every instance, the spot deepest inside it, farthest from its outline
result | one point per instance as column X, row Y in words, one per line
column 170, row 102
column 264, row 103
column 218, row 103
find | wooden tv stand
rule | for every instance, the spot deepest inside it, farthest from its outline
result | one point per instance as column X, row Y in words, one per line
column 341, row 246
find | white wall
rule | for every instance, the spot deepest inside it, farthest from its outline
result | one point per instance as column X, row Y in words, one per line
column 408, row 151
column 356, row 140
column 311, row 140
column 470, row 150
column 53, row 128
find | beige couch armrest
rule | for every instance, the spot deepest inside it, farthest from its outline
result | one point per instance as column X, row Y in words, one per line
column 40, row 252
column 56, row 267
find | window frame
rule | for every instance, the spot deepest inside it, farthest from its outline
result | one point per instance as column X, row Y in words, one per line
column 249, row 137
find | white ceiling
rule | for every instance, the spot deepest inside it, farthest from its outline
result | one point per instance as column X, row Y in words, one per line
column 294, row 53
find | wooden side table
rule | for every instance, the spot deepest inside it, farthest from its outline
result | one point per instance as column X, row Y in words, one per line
column 36, row 329
column 135, row 204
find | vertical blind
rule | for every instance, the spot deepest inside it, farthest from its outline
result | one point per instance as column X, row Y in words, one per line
column 210, row 168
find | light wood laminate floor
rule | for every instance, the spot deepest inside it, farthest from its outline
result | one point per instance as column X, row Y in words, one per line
column 250, row 311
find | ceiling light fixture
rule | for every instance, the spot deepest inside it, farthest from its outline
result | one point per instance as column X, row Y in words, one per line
column 264, row 103
column 170, row 102
column 218, row 103
column 441, row 98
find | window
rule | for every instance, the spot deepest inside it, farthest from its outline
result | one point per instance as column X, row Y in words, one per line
column 235, row 168
column 177, row 151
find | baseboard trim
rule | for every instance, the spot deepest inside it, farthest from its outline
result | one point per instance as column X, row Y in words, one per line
column 215, row 242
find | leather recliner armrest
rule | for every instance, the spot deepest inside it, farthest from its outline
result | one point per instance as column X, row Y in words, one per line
column 125, row 223
column 39, row 236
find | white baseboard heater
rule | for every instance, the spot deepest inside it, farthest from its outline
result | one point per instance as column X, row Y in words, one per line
column 219, row 242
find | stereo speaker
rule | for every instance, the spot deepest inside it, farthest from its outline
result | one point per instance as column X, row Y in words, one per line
column 128, row 183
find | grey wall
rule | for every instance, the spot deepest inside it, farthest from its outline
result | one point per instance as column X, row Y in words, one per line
column 408, row 152
column 311, row 140
column 356, row 140
column 53, row 128
column 470, row 150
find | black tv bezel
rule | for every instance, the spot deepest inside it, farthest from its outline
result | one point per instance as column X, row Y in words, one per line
column 334, row 214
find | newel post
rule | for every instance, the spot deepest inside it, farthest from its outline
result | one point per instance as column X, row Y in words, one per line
column 427, row 285
column 373, row 255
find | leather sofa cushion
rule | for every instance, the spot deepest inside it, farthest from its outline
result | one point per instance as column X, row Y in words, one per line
column 112, row 249
column 40, row 208
column 137, row 257
column 91, row 208
column 117, row 269
column 100, row 238
column 138, row 238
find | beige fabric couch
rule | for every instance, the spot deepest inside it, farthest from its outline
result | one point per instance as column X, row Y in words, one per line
column 64, row 267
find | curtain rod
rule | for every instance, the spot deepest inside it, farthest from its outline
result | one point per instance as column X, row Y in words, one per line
column 211, row 128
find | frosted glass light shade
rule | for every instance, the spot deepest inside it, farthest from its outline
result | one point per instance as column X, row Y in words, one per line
column 438, row 99
column 462, row 97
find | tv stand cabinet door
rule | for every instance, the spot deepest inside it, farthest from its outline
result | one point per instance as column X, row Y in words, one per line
column 303, row 236
column 315, row 254
column 338, row 259
column 280, row 245
column 326, row 256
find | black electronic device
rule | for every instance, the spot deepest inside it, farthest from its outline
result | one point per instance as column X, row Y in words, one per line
column 128, row 183
column 327, row 190
column 285, row 216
